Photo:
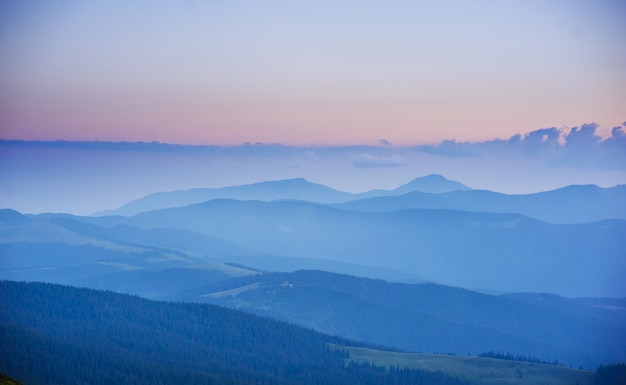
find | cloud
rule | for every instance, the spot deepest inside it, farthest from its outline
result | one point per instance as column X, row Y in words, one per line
column 366, row 160
column 617, row 141
column 384, row 142
column 545, row 139
column 583, row 138
column 452, row 148
column 575, row 146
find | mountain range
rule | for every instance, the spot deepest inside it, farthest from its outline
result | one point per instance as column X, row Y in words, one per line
column 499, row 252
column 504, row 252
column 464, row 271
column 571, row 204
column 496, row 243
column 295, row 189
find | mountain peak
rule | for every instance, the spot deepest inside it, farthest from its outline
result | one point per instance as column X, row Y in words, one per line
column 295, row 188
column 433, row 183
column 291, row 181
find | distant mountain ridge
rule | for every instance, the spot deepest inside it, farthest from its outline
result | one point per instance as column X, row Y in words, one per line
column 571, row 204
column 468, row 238
column 433, row 183
column 292, row 189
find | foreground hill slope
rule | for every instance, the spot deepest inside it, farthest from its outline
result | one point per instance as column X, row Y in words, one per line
column 428, row 317
column 60, row 335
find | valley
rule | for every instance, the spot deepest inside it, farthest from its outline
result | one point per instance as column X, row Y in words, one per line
column 402, row 269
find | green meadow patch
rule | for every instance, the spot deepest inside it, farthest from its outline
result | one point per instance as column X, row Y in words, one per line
column 479, row 370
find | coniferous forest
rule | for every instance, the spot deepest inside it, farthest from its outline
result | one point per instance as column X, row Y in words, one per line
column 60, row 335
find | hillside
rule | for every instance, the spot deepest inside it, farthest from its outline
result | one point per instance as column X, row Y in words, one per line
column 474, row 369
column 426, row 317
column 499, row 252
column 61, row 335
column 151, row 262
column 481, row 251
column 148, row 262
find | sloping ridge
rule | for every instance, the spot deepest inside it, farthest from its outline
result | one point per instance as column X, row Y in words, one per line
column 296, row 189
column 427, row 317
column 62, row 335
column 433, row 183
column 467, row 249
column 571, row 204
column 288, row 189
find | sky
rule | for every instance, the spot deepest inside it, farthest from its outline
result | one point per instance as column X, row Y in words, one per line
column 308, row 73
column 510, row 96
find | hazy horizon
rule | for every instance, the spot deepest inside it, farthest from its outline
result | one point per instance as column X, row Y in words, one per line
column 87, row 177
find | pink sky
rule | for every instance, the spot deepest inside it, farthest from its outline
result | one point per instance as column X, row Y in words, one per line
column 323, row 74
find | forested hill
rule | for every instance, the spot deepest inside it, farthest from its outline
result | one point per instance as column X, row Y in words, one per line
column 60, row 335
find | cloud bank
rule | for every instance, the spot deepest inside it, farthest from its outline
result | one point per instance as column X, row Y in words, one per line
column 575, row 147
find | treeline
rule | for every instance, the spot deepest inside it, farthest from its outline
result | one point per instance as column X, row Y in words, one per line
column 516, row 357
column 51, row 334
column 604, row 375
column 610, row 375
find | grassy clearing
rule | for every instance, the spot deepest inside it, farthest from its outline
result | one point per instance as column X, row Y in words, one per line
column 233, row 292
column 479, row 370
